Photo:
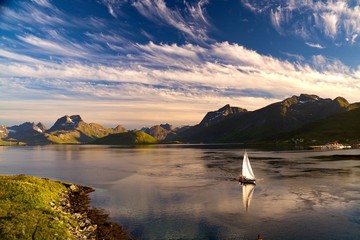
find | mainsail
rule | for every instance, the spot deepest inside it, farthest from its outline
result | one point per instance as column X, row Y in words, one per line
column 247, row 171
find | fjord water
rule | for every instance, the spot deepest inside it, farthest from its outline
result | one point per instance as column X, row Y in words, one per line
column 188, row 191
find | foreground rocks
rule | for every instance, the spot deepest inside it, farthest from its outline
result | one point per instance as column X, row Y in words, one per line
column 92, row 223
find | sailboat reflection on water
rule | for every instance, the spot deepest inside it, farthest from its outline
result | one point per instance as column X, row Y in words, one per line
column 247, row 193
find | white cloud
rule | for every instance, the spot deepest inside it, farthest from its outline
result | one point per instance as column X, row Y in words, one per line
column 297, row 57
column 200, row 78
column 111, row 11
column 19, row 57
column 337, row 20
column 354, row 37
column 62, row 48
column 330, row 23
column 192, row 23
column 114, row 6
column 334, row 66
column 112, row 38
column 44, row 3
column 315, row 45
column 275, row 17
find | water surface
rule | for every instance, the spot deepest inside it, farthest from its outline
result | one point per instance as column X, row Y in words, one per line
column 188, row 192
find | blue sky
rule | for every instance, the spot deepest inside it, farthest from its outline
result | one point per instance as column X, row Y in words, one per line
column 145, row 62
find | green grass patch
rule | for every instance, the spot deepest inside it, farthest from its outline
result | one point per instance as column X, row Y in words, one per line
column 6, row 143
column 26, row 210
column 127, row 138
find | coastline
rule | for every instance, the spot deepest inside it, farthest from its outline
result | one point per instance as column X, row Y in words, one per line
column 93, row 222
column 40, row 208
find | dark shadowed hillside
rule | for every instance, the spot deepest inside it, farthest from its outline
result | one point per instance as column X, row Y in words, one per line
column 268, row 123
column 343, row 127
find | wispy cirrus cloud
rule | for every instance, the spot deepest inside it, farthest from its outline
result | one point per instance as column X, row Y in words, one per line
column 53, row 47
column 33, row 15
column 192, row 21
column 337, row 20
column 314, row 45
column 191, row 75
column 18, row 57
column 114, row 6
column 44, row 3
column 215, row 69
column 334, row 66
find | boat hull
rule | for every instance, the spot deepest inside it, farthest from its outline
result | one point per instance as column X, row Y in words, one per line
column 248, row 181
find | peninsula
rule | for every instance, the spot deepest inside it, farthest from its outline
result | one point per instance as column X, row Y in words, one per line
column 39, row 208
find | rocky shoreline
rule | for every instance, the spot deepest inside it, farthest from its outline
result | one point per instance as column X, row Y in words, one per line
column 92, row 223
column 39, row 208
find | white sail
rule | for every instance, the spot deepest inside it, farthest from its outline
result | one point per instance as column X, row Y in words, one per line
column 247, row 171
column 248, row 191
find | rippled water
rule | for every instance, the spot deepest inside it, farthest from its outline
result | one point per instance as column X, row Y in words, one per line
column 188, row 192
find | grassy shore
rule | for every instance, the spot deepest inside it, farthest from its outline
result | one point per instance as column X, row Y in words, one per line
column 6, row 143
column 37, row 208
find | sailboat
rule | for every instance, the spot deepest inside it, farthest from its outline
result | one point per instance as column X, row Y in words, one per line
column 247, row 175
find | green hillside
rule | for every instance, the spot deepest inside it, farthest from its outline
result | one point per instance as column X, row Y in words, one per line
column 343, row 127
column 6, row 143
column 83, row 133
column 127, row 138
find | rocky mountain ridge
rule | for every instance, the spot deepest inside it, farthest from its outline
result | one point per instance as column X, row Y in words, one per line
column 66, row 123
column 163, row 132
column 267, row 123
column 227, row 124
column 67, row 129
column 223, row 113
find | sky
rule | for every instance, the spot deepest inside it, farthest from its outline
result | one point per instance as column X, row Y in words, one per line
column 145, row 62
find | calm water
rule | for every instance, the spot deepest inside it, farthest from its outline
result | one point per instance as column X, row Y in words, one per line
column 187, row 192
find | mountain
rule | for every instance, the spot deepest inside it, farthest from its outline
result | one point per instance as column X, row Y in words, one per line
column 160, row 132
column 163, row 132
column 3, row 131
column 343, row 127
column 267, row 123
column 167, row 126
column 119, row 129
column 66, row 123
column 72, row 129
column 25, row 132
column 126, row 138
column 306, row 117
column 223, row 113
column 67, row 129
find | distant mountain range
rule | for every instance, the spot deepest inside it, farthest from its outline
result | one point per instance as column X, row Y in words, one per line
column 305, row 119
column 276, row 122
column 67, row 129
column 164, row 132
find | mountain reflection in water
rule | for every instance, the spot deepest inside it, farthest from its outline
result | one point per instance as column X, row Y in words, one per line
column 185, row 192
